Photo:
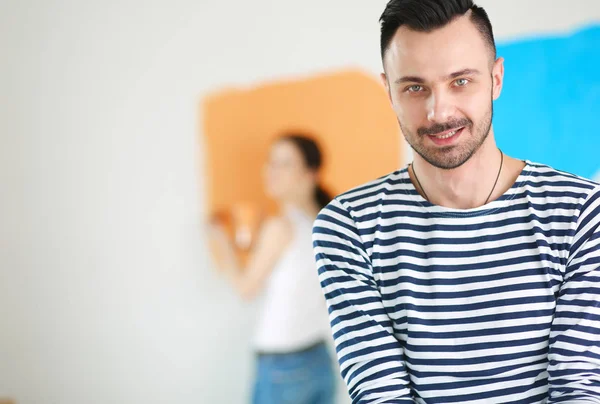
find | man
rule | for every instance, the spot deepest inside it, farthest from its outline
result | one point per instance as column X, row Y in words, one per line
column 467, row 276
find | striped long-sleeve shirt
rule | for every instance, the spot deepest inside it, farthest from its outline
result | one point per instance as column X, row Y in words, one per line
column 496, row 304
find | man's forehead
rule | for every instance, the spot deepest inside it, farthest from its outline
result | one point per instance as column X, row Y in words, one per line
column 457, row 43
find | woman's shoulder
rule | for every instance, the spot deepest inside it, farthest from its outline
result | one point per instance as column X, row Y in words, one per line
column 277, row 228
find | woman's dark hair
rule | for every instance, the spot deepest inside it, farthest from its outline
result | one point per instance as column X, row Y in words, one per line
column 311, row 152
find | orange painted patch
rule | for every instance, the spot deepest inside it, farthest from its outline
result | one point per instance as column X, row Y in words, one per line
column 348, row 113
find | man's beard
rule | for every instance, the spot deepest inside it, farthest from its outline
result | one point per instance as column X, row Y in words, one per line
column 450, row 157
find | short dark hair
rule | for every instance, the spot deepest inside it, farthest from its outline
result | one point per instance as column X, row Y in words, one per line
column 427, row 15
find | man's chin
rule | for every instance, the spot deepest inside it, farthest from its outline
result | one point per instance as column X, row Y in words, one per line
column 447, row 158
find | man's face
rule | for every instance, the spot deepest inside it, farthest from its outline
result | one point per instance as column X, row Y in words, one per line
column 441, row 85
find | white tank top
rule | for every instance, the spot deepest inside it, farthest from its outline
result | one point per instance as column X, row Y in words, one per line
column 294, row 313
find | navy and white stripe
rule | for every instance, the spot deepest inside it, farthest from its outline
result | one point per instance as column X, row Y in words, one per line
column 497, row 304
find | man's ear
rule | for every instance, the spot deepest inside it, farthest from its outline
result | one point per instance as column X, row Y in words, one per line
column 497, row 77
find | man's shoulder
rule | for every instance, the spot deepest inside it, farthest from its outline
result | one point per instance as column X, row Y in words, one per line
column 395, row 182
column 361, row 201
column 562, row 190
column 550, row 176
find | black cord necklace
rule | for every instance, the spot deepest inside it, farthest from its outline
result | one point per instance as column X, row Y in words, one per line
column 491, row 192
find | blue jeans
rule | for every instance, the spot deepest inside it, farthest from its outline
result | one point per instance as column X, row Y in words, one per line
column 304, row 377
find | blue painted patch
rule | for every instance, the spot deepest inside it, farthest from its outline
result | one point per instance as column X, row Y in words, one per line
column 549, row 108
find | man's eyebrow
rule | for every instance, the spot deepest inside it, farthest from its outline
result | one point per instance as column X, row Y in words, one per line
column 411, row 79
column 463, row 72
column 420, row 80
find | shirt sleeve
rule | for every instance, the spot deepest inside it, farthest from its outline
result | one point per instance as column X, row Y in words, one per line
column 574, row 354
column 371, row 359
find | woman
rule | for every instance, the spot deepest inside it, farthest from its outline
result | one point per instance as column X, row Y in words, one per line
column 293, row 363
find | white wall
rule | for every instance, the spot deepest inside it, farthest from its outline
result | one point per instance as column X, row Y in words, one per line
column 106, row 294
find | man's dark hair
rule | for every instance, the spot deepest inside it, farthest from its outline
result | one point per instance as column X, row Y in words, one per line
column 427, row 15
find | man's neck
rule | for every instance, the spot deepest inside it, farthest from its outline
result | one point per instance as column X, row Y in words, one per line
column 464, row 187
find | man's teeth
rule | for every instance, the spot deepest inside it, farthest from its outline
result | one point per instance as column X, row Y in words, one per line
column 447, row 135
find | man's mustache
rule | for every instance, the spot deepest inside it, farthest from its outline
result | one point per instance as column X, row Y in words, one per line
column 443, row 127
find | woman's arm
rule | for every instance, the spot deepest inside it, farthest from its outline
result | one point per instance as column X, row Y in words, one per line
column 273, row 237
